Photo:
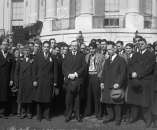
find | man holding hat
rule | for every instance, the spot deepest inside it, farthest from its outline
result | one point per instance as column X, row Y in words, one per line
column 113, row 81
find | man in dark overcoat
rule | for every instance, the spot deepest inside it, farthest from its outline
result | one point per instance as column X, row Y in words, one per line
column 25, row 92
column 142, row 75
column 45, row 80
column 5, row 73
column 73, row 70
column 113, row 77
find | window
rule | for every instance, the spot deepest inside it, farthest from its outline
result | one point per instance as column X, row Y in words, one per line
column 112, row 22
column 111, row 5
column 148, row 7
column 17, row 10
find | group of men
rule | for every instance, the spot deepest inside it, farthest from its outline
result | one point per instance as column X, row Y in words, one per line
column 112, row 81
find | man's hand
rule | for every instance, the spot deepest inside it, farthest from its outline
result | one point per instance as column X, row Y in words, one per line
column 116, row 85
column 11, row 83
column 35, row 83
column 134, row 75
column 54, row 84
column 102, row 86
column 71, row 76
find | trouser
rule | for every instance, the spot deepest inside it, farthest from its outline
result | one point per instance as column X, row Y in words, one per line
column 43, row 109
column 114, row 111
column 93, row 96
column 72, row 103
column 4, row 110
column 26, row 108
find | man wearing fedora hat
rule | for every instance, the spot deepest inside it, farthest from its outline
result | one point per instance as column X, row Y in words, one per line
column 113, row 81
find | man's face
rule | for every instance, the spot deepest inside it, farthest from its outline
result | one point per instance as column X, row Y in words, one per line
column 92, row 50
column 103, row 45
column 136, row 41
column 119, row 47
column 83, row 47
column 74, row 46
column 52, row 43
column 36, row 48
column 111, row 50
column 5, row 46
column 46, row 47
column 143, row 45
column 57, row 50
column 31, row 47
column 128, row 50
column 65, row 50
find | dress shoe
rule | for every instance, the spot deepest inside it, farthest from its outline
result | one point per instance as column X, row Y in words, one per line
column 78, row 118
column 107, row 120
column 148, row 124
column 154, row 124
column 29, row 116
column 67, row 120
column 22, row 116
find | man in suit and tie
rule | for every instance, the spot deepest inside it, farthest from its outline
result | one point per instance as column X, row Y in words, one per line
column 5, row 73
column 45, row 80
column 113, row 78
column 73, row 70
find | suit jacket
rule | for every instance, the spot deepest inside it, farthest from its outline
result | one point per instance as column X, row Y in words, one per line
column 115, row 72
column 45, row 73
column 72, row 64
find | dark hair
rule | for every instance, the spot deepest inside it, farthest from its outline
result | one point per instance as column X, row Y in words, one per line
column 111, row 43
column 130, row 45
column 93, row 41
column 121, row 42
column 52, row 39
column 46, row 42
column 93, row 44
column 137, row 36
column 142, row 39
column 103, row 40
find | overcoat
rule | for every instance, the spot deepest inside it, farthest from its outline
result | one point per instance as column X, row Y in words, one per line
column 140, row 90
column 25, row 91
column 113, row 72
column 45, row 73
column 5, row 74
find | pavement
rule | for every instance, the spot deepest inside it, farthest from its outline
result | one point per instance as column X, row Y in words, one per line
column 58, row 123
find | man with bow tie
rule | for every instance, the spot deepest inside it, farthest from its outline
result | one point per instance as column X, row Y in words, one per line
column 5, row 74
column 73, row 70
column 44, row 81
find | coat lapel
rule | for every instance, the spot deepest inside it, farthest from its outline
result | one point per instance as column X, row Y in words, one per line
column 25, row 65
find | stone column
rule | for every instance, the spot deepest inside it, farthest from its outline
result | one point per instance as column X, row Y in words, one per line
column 134, row 20
column 51, row 13
column 154, row 14
column 33, row 11
column 84, row 20
column 7, row 16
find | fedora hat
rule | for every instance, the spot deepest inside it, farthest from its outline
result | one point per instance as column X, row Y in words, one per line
column 117, row 95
